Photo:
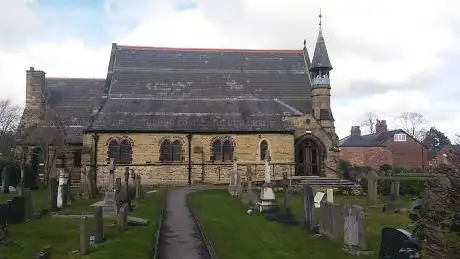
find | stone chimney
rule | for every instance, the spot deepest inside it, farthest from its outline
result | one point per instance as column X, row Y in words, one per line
column 35, row 90
column 381, row 126
column 355, row 131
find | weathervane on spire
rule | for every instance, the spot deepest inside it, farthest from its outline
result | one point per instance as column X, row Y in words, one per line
column 320, row 19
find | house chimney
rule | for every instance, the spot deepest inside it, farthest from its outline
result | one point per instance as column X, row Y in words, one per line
column 355, row 131
column 381, row 126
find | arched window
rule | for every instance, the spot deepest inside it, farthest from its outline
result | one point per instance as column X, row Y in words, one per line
column 227, row 151
column 176, row 151
column 126, row 152
column 263, row 147
column 216, row 153
column 113, row 151
column 165, row 151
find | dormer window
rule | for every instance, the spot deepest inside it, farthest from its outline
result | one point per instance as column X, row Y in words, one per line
column 400, row 137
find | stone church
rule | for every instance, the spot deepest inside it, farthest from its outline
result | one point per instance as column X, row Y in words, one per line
column 183, row 115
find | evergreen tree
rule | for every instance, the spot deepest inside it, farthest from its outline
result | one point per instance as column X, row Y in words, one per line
column 434, row 141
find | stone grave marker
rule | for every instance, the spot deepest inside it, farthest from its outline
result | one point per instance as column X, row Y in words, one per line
column 354, row 229
column 84, row 235
column 248, row 197
column 118, row 184
column 308, row 207
column 98, row 216
column 234, row 187
column 53, row 193
column 318, row 198
column 138, row 187
column 111, row 184
column 394, row 190
column 123, row 218
column 28, row 203
column 3, row 214
column 16, row 208
column 398, row 243
column 111, row 202
column 372, row 181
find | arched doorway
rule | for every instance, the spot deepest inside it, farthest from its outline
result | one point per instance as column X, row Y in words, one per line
column 309, row 156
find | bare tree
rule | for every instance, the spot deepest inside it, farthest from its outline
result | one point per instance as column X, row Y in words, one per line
column 457, row 139
column 369, row 121
column 9, row 119
column 414, row 124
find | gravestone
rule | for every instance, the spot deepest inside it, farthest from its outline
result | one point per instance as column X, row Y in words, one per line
column 234, row 187
column 309, row 208
column 394, row 190
column 5, row 180
column 83, row 182
column 84, row 235
column 53, row 193
column 372, row 181
column 123, row 218
column 330, row 195
column 248, row 197
column 98, row 217
column 111, row 203
column 354, row 229
column 267, row 200
column 16, row 208
column 331, row 221
column 398, row 244
column 28, row 204
column 138, row 187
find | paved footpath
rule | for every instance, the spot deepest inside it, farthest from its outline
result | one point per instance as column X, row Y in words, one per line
column 181, row 238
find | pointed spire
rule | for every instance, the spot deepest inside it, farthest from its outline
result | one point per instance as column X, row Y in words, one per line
column 320, row 57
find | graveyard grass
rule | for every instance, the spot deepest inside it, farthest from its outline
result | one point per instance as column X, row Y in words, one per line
column 234, row 234
column 63, row 233
column 39, row 197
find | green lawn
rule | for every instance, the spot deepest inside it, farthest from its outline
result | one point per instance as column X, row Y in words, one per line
column 63, row 234
column 236, row 235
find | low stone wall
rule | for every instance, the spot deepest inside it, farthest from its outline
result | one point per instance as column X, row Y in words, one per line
column 177, row 174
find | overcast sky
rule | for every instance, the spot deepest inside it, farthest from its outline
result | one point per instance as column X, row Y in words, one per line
column 389, row 56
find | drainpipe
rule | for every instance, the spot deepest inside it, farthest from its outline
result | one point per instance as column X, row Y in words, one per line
column 189, row 138
column 94, row 165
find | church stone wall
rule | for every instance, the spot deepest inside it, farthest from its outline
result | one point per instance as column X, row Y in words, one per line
column 146, row 154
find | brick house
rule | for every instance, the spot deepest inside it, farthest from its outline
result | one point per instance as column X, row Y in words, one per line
column 392, row 147
column 179, row 115
column 448, row 149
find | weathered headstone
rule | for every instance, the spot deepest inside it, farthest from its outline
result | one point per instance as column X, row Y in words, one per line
column 248, row 197
column 138, row 187
column 110, row 207
column 331, row 221
column 99, row 236
column 83, row 182
column 318, row 198
column 330, row 195
column 28, row 203
column 394, row 190
column 308, row 207
column 234, row 187
column 372, row 180
column 354, row 229
column 16, row 208
column 84, row 235
column 123, row 218
column 53, row 193
column 398, row 243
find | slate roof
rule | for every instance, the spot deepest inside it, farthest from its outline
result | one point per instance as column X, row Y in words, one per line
column 171, row 72
column 73, row 100
column 193, row 115
column 371, row 140
column 320, row 56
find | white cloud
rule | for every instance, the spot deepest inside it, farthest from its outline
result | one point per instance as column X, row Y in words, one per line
column 386, row 43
